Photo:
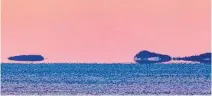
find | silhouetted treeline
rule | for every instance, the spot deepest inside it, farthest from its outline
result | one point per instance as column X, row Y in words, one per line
column 151, row 57
column 27, row 58
column 202, row 58
column 143, row 57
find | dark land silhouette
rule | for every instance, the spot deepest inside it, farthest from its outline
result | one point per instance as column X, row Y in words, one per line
column 143, row 57
column 202, row 58
column 146, row 57
column 26, row 58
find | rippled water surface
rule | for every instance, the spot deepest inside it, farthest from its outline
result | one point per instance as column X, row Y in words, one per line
column 105, row 79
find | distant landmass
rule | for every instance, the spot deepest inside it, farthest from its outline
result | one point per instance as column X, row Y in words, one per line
column 26, row 58
column 147, row 57
column 202, row 58
column 151, row 57
column 143, row 57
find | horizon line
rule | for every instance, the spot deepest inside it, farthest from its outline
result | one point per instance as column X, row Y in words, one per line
column 169, row 62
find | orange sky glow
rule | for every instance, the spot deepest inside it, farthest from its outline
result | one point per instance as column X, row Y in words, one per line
column 104, row 30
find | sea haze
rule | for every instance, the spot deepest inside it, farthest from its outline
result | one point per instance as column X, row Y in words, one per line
column 105, row 79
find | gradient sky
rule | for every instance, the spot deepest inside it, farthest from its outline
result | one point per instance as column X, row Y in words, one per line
column 104, row 30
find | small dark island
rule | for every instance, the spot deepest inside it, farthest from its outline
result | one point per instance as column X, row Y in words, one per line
column 26, row 58
column 202, row 58
column 146, row 57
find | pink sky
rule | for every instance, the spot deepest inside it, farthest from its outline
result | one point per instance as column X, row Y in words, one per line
column 104, row 30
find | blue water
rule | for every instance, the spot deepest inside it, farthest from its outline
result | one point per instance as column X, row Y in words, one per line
column 105, row 79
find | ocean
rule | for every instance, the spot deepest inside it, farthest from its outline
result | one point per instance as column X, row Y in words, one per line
column 105, row 79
